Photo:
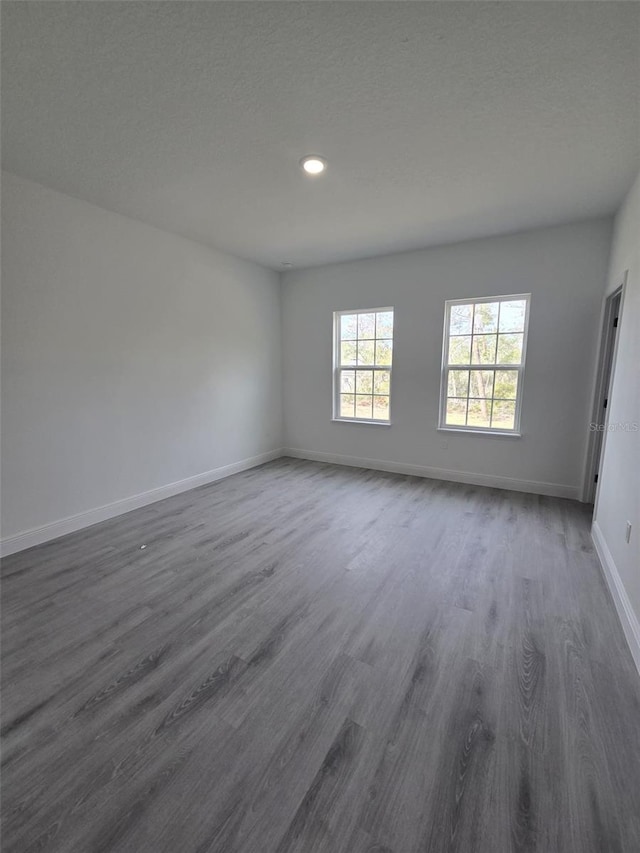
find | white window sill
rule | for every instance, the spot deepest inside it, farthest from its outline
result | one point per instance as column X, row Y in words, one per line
column 495, row 433
column 361, row 421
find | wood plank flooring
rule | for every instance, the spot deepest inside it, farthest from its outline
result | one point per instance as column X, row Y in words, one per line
column 312, row 658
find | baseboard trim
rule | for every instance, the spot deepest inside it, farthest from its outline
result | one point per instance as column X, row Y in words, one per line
column 556, row 490
column 47, row 532
column 626, row 615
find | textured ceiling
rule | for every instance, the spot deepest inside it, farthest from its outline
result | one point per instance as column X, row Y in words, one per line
column 440, row 121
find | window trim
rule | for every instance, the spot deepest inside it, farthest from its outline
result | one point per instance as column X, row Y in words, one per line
column 337, row 367
column 445, row 367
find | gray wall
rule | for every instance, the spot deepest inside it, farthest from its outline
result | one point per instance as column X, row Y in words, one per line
column 618, row 498
column 564, row 268
column 131, row 358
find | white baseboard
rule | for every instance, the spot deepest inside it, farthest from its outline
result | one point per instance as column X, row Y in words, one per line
column 532, row 486
column 628, row 618
column 38, row 535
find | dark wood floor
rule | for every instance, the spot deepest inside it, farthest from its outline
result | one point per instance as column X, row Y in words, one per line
column 319, row 659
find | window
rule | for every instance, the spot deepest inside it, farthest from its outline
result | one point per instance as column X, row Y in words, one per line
column 362, row 365
column 484, row 346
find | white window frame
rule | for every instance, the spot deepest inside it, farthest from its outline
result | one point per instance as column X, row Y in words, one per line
column 444, row 376
column 337, row 367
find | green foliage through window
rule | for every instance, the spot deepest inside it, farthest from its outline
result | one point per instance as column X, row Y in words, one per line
column 363, row 372
column 484, row 358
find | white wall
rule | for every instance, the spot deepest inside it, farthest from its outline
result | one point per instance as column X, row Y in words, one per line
column 618, row 498
column 131, row 358
column 565, row 270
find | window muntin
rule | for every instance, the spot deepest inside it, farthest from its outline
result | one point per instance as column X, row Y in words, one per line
column 484, row 351
column 362, row 365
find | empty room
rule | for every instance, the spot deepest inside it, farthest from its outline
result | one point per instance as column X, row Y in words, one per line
column 320, row 426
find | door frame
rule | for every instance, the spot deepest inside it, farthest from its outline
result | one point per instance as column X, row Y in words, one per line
column 605, row 375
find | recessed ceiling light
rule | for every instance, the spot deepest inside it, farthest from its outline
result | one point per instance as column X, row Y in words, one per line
column 313, row 165
column 286, row 264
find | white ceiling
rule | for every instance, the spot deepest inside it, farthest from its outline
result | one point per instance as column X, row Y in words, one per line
column 440, row 121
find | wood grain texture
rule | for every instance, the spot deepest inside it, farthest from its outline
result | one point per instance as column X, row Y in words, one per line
column 312, row 658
